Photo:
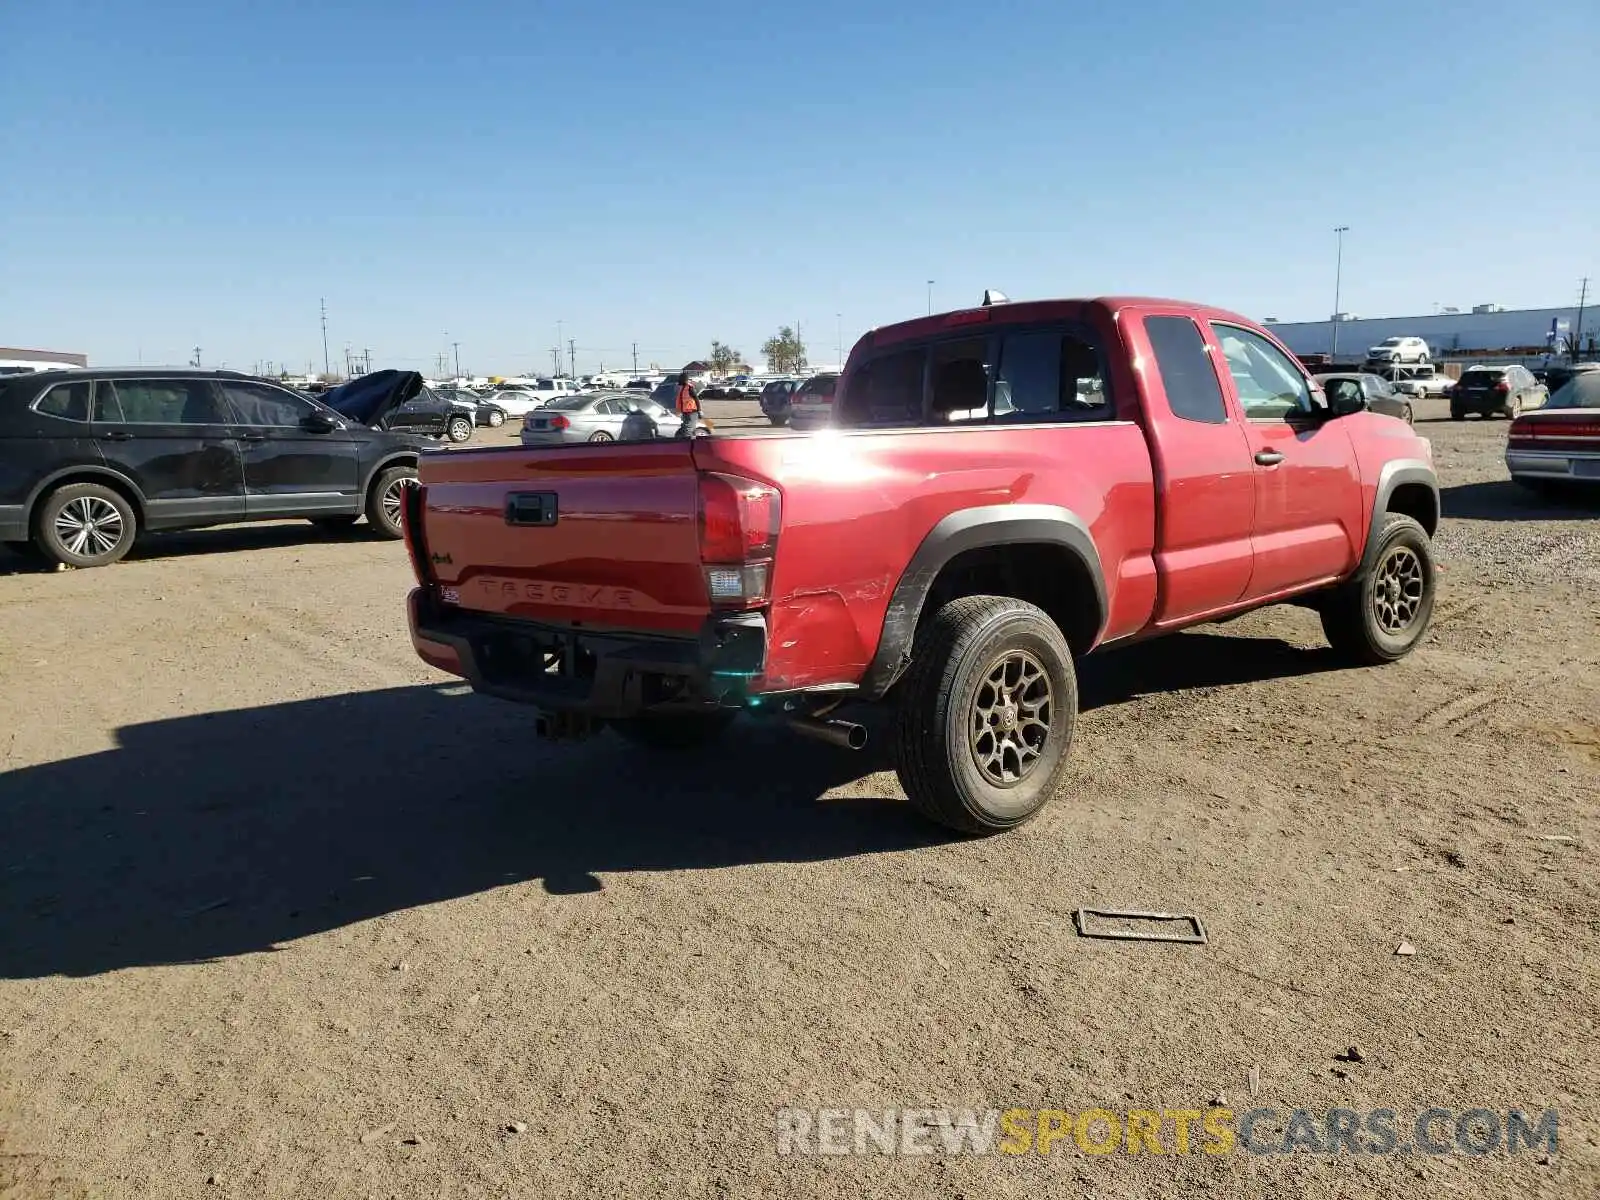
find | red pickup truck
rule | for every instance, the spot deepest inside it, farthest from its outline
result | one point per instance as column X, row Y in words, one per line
column 1003, row 490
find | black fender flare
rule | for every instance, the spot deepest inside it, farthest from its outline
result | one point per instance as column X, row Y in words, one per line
column 1395, row 473
column 398, row 458
column 93, row 471
column 971, row 529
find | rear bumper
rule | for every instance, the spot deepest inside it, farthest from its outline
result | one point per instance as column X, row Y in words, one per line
column 608, row 675
column 1576, row 465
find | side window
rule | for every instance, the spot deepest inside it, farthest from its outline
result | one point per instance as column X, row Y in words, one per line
column 106, row 407
column 883, row 391
column 257, row 404
column 1193, row 392
column 1048, row 374
column 69, row 401
column 168, row 402
column 1269, row 386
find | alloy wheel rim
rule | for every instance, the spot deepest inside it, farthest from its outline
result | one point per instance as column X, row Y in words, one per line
column 1397, row 590
column 89, row 526
column 1009, row 724
column 394, row 498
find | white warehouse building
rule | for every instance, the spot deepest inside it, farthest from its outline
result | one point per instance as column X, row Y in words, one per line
column 1486, row 327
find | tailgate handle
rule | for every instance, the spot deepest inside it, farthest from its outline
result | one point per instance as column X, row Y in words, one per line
column 531, row 508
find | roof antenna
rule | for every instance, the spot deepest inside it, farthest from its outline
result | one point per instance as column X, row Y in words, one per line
column 992, row 297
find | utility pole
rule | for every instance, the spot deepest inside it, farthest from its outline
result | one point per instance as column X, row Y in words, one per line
column 930, row 297
column 326, row 368
column 1338, row 278
column 366, row 360
column 572, row 358
column 196, row 362
column 555, row 360
column 1577, row 332
column 636, row 360
column 456, row 346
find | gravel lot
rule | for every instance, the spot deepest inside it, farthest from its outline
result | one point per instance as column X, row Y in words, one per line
column 287, row 914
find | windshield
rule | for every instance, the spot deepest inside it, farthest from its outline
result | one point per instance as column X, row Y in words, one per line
column 1581, row 391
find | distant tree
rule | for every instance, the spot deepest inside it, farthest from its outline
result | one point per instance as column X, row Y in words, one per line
column 785, row 352
column 723, row 358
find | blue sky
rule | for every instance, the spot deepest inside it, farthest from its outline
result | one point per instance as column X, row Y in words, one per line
column 201, row 174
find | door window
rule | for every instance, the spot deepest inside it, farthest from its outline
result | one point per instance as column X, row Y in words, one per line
column 1270, row 388
column 1193, row 392
column 166, row 401
column 258, row 404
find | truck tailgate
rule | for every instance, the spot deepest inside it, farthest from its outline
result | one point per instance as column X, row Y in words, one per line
column 605, row 535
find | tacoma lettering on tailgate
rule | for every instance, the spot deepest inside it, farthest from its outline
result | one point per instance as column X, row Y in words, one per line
column 598, row 595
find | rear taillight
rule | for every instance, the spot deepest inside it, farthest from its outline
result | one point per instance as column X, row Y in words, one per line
column 413, row 500
column 559, row 422
column 1502, row 387
column 739, row 521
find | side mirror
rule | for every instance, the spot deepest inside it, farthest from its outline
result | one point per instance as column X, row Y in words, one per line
column 1343, row 403
column 319, row 422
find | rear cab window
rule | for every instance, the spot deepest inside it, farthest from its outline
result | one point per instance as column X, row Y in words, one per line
column 1024, row 374
column 1187, row 376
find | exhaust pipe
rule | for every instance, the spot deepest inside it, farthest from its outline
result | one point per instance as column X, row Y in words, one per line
column 838, row 733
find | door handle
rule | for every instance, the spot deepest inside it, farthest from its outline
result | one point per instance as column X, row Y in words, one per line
column 119, row 435
column 253, row 437
column 1269, row 458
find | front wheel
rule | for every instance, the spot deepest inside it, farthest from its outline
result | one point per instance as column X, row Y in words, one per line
column 1513, row 408
column 780, row 422
column 1410, row 416
column 673, row 731
column 85, row 525
column 386, row 499
column 1381, row 616
column 985, row 714
column 459, row 429
column 1457, row 414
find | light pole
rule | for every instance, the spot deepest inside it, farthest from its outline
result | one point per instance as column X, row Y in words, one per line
column 1338, row 278
column 930, row 297
column 456, row 346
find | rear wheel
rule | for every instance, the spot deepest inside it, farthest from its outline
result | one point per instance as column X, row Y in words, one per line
column 1513, row 408
column 387, row 498
column 458, row 429
column 985, row 714
column 673, row 731
column 779, row 421
column 1457, row 413
column 600, row 435
column 1410, row 416
column 1382, row 615
column 496, row 418
column 85, row 525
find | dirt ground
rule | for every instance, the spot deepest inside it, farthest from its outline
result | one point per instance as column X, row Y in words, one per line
column 283, row 913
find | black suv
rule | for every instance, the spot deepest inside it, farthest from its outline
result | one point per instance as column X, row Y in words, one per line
column 90, row 458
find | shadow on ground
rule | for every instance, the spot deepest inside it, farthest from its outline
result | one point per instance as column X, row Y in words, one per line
column 224, row 833
column 185, row 543
column 1502, row 500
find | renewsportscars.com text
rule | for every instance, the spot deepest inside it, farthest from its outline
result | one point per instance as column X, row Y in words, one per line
column 1213, row 1130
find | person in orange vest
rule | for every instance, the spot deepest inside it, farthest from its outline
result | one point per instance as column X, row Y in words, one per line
column 688, row 406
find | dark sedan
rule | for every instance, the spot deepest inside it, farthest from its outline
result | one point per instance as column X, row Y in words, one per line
column 1377, row 394
column 484, row 411
column 406, row 403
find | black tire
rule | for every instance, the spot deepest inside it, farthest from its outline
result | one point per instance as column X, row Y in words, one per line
column 1366, row 619
column 458, row 429
column 938, row 738
column 383, row 500
column 496, row 418
column 334, row 524
column 674, row 731
column 1410, row 416
column 1423, row 360
column 1457, row 414
column 600, row 435
column 85, row 525
column 779, row 421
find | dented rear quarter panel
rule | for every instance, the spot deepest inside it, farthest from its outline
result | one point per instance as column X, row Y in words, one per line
column 857, row 504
